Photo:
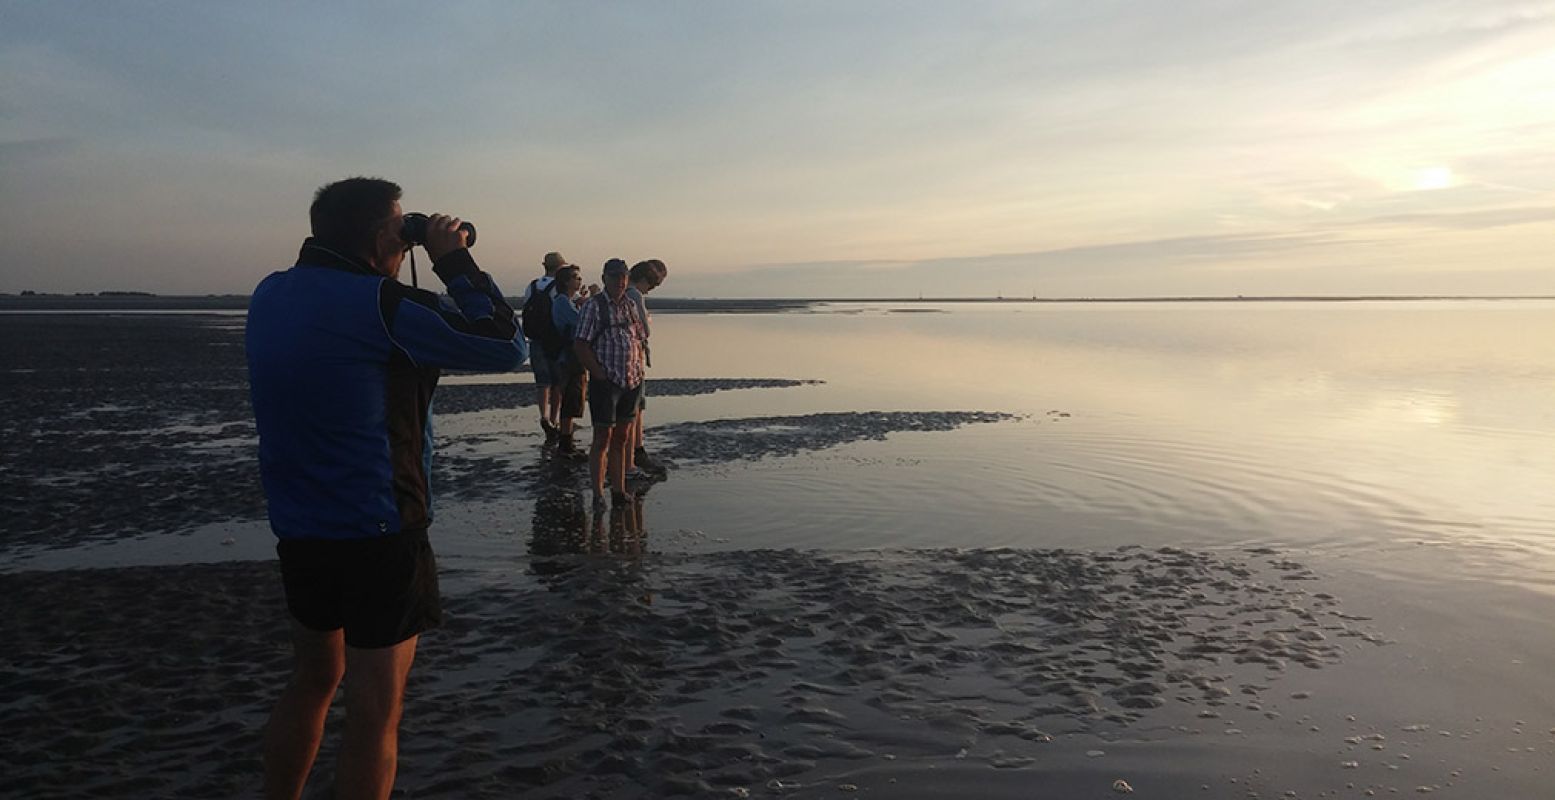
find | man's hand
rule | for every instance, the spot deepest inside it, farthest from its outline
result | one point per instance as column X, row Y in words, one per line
column 444, row 236
column 585, row 354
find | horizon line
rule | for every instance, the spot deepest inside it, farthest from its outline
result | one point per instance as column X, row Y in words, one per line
column 111, row 295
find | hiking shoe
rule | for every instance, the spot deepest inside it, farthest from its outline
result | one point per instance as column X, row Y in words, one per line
column 647, row 462
column 551, row 432
column 566, row 448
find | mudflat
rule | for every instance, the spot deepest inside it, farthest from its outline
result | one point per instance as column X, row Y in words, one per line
column 590, row 653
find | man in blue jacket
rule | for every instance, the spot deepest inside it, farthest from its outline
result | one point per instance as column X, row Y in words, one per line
column 343, row 360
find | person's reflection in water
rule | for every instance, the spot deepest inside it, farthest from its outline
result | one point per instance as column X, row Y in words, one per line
column 563, row 527
column 558, row 529
column 625, row 537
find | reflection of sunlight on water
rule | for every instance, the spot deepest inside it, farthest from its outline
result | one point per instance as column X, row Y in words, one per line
column 1347, row 427
column 1401, row 411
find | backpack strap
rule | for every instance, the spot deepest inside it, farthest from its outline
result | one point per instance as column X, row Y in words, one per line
column 608, row 319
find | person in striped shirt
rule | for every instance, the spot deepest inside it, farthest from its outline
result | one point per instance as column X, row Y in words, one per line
column 609, row 344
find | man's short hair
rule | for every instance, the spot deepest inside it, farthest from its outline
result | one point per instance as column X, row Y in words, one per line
column 348, row 213
column 642, row 270
column 615, row 266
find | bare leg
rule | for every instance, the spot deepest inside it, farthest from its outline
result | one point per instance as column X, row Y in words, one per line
column 545, row 404
column 598, row 457
column 291, row 740
column 639, row 455
column 375, row 699
column 630, row 457
column 554, row 410
column 598, row 542
column 619, row 436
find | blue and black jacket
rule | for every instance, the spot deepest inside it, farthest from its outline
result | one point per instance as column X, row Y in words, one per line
column 342, row 363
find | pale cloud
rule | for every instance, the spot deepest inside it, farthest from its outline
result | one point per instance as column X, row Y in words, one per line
column 1469, row 220
column 1146, row 267
column 1208, row 148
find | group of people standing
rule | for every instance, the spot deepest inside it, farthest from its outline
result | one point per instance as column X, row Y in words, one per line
column 592, row 342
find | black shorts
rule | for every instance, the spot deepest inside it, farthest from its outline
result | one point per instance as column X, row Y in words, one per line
column 610, row 404
column 382, row 590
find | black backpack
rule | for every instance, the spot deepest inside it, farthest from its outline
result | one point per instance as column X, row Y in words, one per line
column 536, row 318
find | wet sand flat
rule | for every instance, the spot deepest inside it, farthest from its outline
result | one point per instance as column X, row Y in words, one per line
column 771, row 672
column 916, row 674
column 583, row 656
column 126, row 425
column 120, row 425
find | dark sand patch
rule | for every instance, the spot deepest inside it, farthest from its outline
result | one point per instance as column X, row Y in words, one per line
column 118, row 425
column 463, row 473
column 464, row 398
column 672, row 675
column 97, row 486
column 750, row 438
column 150, row 303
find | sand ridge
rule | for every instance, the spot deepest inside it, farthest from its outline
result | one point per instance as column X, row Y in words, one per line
column 696, row 675
column 751, row 438
column 460, row 398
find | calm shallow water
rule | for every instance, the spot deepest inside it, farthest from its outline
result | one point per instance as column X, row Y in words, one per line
column 1373, row 431
column 1411, row 438
column 1395, row 453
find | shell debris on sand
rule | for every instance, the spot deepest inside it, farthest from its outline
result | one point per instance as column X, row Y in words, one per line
column 1122, row 787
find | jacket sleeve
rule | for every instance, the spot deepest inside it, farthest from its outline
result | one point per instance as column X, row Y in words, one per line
column 564, row 317
column 479, row 333
column 588, row 322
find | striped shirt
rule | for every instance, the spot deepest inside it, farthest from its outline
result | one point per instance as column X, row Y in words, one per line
column 615, row 333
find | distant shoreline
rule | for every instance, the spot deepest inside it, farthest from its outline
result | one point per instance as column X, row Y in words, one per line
column 151, row 302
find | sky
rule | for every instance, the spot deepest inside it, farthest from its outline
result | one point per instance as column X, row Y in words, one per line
column 798, row 149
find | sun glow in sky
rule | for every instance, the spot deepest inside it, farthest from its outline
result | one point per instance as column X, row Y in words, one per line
column 800, row 149
column 1433, row 178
